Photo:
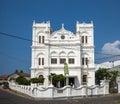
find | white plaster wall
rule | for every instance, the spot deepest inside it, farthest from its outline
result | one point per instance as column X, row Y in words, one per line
column 67, row 91
column 53, row 42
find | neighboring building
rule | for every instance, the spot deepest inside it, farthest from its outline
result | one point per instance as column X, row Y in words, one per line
column 3, row 78
column 18, row 74
column 50, row 50
column 116, row 68
column 112, row 65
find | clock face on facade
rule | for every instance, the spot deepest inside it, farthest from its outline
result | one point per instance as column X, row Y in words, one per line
column 62, row 37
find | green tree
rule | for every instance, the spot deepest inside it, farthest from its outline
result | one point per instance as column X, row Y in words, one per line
column 109, row 75
column 16, row 71
column 113, row 76
column 66, row 70
column 101, row 74
column 22, row 81
column 21, row 71
column 56, row 78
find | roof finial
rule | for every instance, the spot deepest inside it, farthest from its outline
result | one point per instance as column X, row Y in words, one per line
column 33, row 21
column 62, row 26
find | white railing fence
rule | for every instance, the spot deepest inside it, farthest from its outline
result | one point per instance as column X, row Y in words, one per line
column 67, row 91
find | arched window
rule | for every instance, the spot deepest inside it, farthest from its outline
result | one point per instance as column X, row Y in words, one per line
column 39, row 61
column 62, row 57
column 84, row 79
column 84, row 61
column 40, row 58
column 62, row 60
column 41, row 76
column 42, row 39
column 53, row 57
column 53, row 60
column 39, row 39
column 42, row 61
column 71, row 57
column 84, row 39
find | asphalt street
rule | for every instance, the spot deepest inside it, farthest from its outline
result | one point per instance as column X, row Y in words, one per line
column 7, row 97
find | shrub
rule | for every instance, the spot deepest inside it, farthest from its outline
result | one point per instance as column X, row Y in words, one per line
column 37, row 80
column 22, row 81
column 56, row 78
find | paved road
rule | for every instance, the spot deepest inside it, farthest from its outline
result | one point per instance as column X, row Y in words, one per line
column 10, row 98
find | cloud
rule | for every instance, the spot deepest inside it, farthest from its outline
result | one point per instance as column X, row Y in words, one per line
column 112, row 48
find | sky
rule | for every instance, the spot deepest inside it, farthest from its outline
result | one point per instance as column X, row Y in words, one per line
column 17, row 16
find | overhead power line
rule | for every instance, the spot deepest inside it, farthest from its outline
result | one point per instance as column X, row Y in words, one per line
column 26, row 39
column 103, row 53
column 13, row 57
column 110, row 57
column 13, row 36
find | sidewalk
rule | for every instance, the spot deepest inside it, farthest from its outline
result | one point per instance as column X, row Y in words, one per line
column 29, row 97
column 18, row 98
column 16, row 93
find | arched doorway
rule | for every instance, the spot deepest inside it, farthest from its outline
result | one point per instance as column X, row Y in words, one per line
column 41, row 79
column 41, row 76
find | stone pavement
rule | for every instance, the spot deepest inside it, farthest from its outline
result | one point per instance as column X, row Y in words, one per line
column 9, row 97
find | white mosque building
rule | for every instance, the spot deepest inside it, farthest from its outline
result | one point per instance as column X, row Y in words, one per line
column 50, row 50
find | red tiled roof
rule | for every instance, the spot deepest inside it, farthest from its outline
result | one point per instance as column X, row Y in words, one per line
column 4, row 76
column 21, row 74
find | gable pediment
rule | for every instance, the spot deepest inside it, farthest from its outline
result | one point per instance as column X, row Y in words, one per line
column 62, row 34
